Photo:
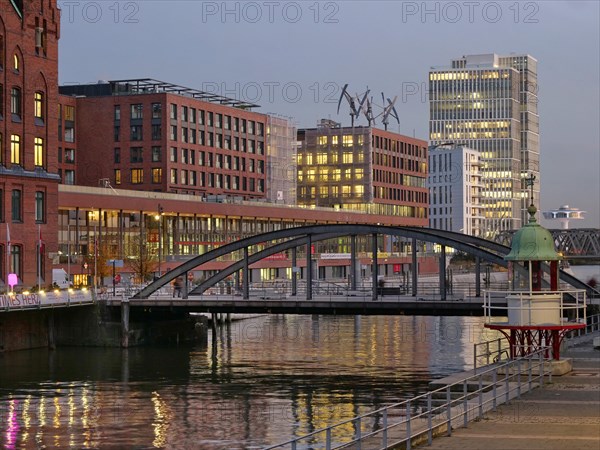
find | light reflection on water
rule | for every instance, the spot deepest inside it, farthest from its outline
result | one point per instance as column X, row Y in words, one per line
column 263, row 381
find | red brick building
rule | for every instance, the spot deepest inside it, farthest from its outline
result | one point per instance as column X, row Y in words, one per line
column 29, row 33
column 149, row 135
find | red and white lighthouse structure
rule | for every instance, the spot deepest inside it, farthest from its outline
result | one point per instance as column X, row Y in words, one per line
column 538, row 313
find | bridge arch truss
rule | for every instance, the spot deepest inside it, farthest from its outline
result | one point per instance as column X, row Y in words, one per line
column 293, row 238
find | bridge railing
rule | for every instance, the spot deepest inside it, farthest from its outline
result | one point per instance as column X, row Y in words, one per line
column 434, row 412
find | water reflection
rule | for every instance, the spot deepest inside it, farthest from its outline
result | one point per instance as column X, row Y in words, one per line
column 261, row 381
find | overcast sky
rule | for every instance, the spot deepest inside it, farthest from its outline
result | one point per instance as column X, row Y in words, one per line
column 293, row 58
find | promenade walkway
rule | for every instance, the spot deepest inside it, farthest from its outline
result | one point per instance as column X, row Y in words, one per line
column 565, row 414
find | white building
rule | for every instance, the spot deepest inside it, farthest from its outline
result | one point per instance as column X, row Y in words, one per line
column 454, row 184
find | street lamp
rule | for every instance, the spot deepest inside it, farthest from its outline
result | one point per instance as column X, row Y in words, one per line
column 158, row 217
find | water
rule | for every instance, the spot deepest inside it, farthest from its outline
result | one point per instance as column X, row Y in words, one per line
column 263, row 381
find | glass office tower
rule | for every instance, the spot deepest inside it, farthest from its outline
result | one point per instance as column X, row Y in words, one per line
column 489, row 103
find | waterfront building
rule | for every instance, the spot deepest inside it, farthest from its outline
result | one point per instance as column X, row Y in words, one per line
column 149, row 135
column 362, row 169
column 29, row 34
column 454, row 183
column 97, row 224
column 489, row 103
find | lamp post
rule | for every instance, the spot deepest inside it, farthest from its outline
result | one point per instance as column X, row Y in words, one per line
column 158, row 217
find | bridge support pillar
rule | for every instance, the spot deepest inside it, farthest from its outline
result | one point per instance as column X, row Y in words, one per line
column 309, row 268
column 477, row 276
column 51, row 331
column 185, row 287
column 443, row 273
column 374, row 269
column 294, row 275
column 246, row 276
column 353, row 262
column 415, row 267
column 125, row 322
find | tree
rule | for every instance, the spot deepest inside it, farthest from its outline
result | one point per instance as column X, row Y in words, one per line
column 139, row 258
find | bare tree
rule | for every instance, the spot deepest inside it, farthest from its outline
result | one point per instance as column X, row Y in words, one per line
column 139, row 258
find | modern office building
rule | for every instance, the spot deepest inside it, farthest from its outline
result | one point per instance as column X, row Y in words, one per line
column 145, row 134
column 454, row 183
column 362, row 169
column 489, row 103
column 28, row 140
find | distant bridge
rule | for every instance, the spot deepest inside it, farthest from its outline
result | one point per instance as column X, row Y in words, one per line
column 292, row 238
column 576, row 243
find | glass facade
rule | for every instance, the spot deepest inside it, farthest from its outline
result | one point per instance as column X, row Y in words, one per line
column 489, row 103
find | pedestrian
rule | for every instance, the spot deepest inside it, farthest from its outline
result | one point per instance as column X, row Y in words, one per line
column 177, row 284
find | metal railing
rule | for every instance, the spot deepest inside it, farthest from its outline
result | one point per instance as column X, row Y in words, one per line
column 528, row 305
column 592, row 325
column 490, row 352
column 432, row 413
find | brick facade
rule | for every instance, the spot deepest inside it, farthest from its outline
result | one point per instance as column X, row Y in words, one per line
column 29, row 33
column 147, row 142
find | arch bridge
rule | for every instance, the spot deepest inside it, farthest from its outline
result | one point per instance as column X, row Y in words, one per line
column 293, row 238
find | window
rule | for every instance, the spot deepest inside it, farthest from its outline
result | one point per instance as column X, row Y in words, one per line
column 183, row 174
column 70, row 113
column 136, row 132
column 174, row 176
column 201, row 117
column 192, row 115
column 40, row 214
column 173, row 133
column 173, row 154
column 16, row 206
column 156, row 132
column 16, row 259
column 117, row 155
column 117, row 132
column 117, row 113
column 16, row 62
column 156, row 110
column 15, row 102
column 135, row 155
column 69, row 177
column 1, row 97
column 39, row 106
column 69, row 155
column 117, row 176
column 15, row 149
column 38, row 152
column 173, row 111
column 184, row 155
column 184, row 114
column 156, row 154
column 184, row 134
column 2, row 154
column 157, row 175
column 136, row 112
column 137, row 176
column 69, row 134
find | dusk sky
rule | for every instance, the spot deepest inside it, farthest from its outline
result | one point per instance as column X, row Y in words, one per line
column 293, row 58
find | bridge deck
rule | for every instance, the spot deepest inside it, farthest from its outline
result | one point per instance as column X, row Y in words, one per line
column 340, row 305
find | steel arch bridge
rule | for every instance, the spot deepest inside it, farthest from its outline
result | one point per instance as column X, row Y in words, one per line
column 292, row 238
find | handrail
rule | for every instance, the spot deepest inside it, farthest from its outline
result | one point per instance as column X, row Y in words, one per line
column 419, row 415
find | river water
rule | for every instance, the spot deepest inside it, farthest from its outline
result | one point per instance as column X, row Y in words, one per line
column 263, row 381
